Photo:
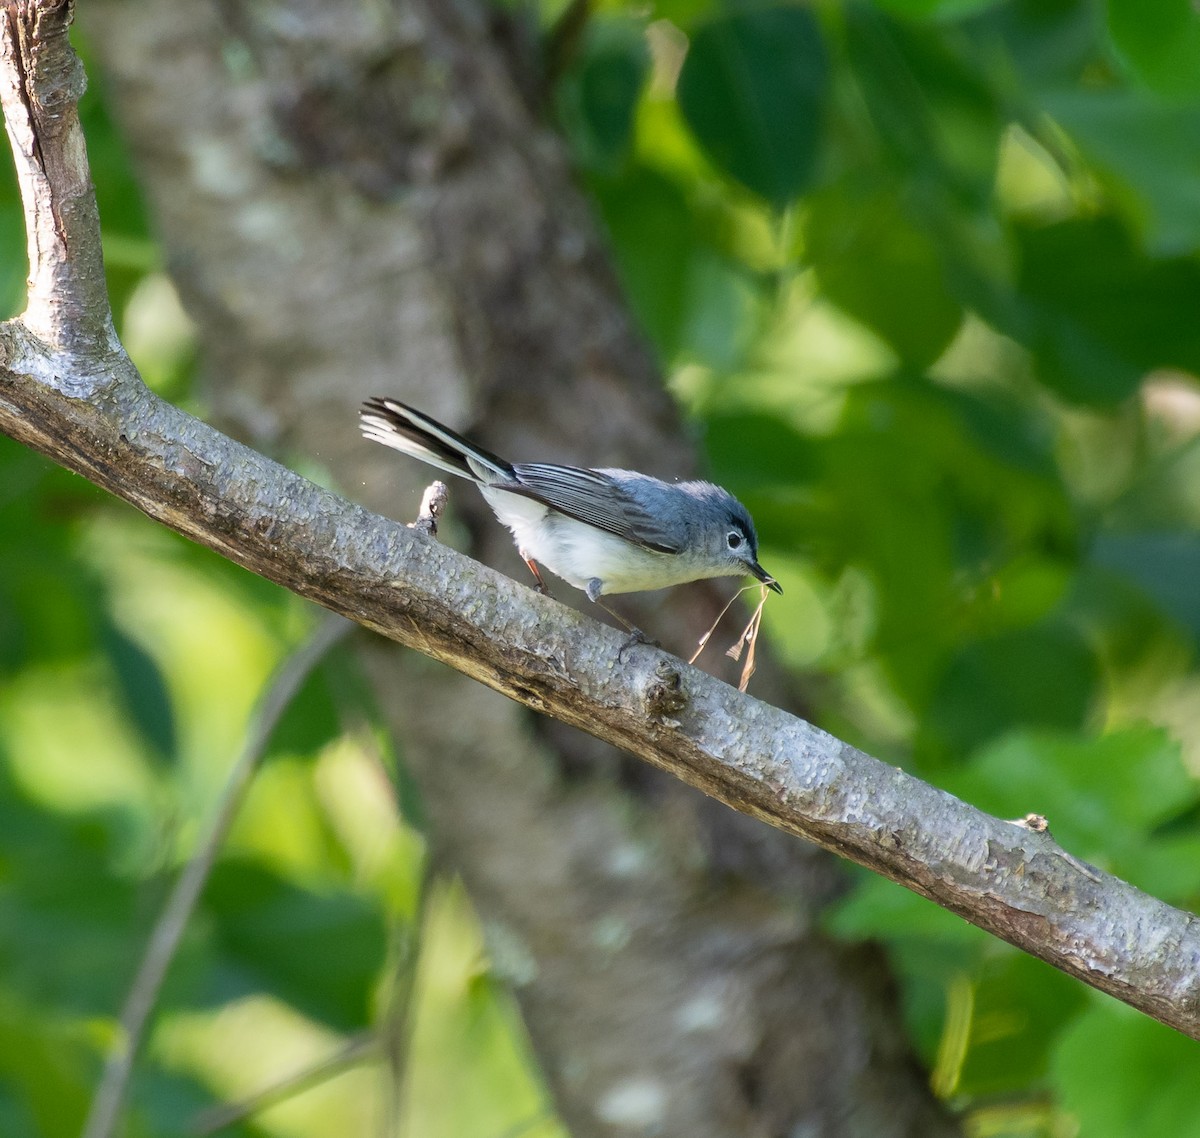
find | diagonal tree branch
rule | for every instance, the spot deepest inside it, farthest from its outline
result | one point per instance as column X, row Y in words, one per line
column 69, row 391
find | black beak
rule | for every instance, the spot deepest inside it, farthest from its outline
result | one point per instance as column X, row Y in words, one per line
column 765, row 577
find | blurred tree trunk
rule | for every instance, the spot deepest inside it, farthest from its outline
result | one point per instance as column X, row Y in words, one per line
column 355, row 200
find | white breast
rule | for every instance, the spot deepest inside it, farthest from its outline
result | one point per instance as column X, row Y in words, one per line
column 578, row 552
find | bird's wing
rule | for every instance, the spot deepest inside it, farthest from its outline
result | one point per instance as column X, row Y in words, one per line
column 592, row 497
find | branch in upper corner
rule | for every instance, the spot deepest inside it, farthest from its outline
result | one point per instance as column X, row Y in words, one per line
column 41, row 80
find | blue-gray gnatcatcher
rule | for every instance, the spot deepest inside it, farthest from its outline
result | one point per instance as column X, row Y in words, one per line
column 603, row 531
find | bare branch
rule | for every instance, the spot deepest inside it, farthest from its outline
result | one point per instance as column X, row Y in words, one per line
column 41, row 80
column 1009, row 880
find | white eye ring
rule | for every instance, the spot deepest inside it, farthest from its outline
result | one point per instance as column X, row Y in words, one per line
column 733, row 539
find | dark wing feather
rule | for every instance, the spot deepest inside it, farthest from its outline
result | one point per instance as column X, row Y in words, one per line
column 592, row 497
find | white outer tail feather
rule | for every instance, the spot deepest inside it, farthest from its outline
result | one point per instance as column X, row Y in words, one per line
column 378, row 428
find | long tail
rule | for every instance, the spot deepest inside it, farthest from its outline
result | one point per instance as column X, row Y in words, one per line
column 406, row 429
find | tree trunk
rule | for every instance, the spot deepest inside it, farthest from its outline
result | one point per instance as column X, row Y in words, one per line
column 355, row 200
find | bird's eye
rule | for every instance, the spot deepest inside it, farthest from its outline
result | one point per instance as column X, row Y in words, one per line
column 734, row 540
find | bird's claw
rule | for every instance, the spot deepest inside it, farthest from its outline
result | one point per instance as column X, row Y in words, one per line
column 636, row 636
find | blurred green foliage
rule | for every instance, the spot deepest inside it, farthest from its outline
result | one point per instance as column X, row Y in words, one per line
column 924, row 275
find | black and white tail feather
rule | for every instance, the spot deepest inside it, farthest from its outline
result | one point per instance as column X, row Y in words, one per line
column 407, row 429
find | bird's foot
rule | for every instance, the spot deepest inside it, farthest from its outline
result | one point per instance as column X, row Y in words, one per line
column 594, row 590
column 541, row 585
column 636, row 636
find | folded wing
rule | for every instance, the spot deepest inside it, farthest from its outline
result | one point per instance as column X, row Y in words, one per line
column 590, row 496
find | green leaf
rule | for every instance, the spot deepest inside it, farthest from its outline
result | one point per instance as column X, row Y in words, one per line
column 936, row 9
column 12, row 633
column 753, row 90
column 1160, row 42
column 1021, row 1005
column 684, row 13
column 757, row 451
column 1164, row 865
column 12, row 259
column 925, row 489
column 312, row 717
column 1043, row 676
column 878, row 266
column 768, row 465
column 722, row 311
column 650, row 225
column 118, row 197
column 1101, row 314
column 45, row 1070
column 935, row 118
column 1131, row 633
column 143, row 690
column 881, row 908
column 1122, row 1075
column 926, row 945
column 63, row 903
column 320, row 952
column 597, row 98
column 1049, row 42
column 1165, row 566
column 1151, row 153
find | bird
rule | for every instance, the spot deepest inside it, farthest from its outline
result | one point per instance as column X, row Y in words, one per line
column 604, row 531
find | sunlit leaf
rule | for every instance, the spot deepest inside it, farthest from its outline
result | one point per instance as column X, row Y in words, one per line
column 1160, row 41
column 1122, row 1075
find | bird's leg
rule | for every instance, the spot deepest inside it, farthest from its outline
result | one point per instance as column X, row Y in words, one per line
column 636, row 636
column 533, row 568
